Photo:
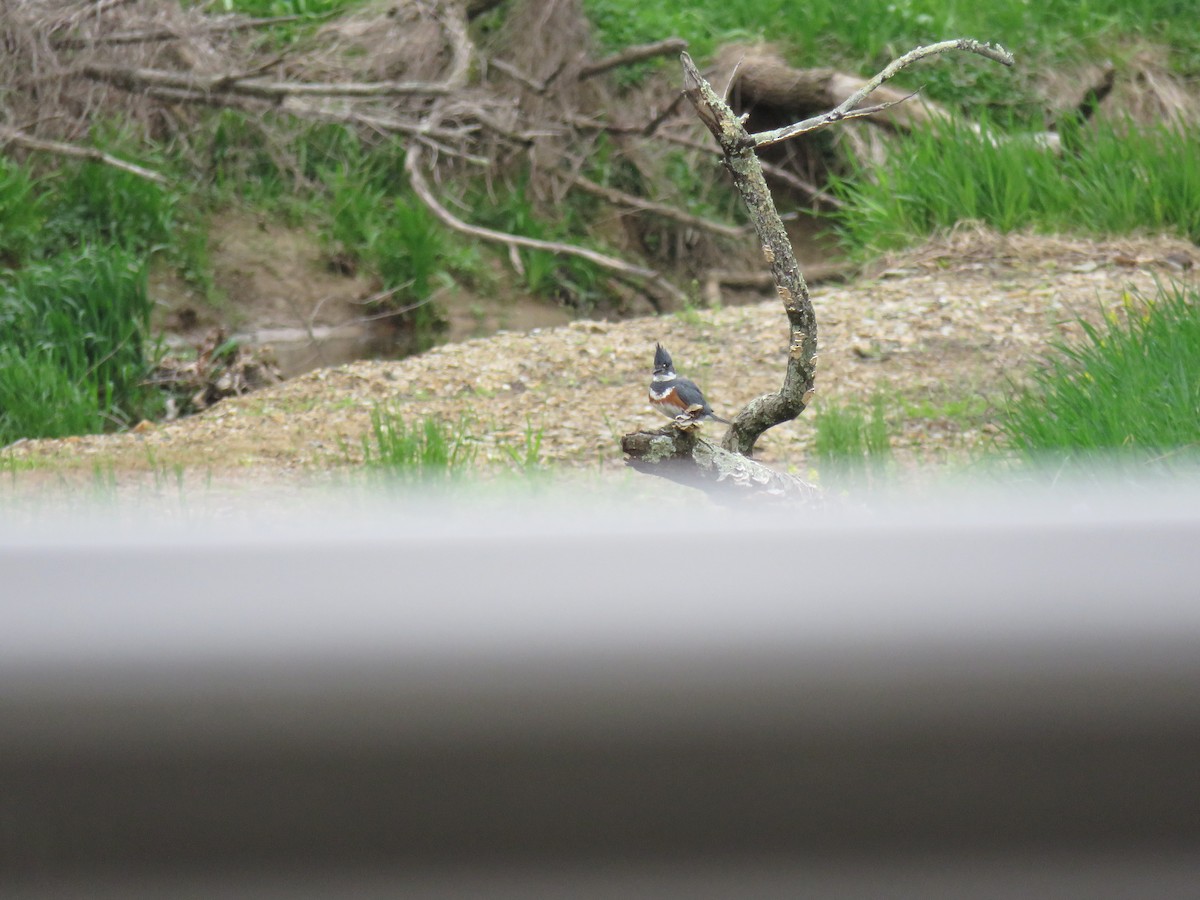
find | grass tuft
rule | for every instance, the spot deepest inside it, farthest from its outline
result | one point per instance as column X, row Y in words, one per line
column 852, row 443
column 1130, row 388
column 528, row 455
column 428, row 451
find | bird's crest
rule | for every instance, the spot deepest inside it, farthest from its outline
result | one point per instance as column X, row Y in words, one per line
column 662, row 360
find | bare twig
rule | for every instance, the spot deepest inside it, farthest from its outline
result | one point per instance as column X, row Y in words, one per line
column 730, row 80
column 667, row 111
column 421, row 130
column 632, row 55
column 132, row 79
column 87, row 11
column 385, row 124
column 621, row 198
column 538, row 87
column 20, row 139
column 393, row 313
column 222, row 101
column 156, row 35
column 588, row 123
column 846, row 109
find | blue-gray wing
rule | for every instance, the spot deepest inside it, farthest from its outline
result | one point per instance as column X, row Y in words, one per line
column 691, row 396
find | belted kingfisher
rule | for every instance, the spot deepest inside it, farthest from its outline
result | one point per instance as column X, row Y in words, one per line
column 676, row 397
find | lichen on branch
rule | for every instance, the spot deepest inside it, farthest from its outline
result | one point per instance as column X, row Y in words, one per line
column 737, row 146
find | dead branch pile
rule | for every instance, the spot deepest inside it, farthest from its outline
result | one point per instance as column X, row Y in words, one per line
column 531, row 100
column 219, row 368
column 528, row 99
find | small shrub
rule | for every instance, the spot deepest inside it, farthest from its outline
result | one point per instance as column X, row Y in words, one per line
column 410, row 251
column 399, row 240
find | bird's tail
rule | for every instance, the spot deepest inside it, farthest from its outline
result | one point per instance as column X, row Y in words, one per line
column 717, row 418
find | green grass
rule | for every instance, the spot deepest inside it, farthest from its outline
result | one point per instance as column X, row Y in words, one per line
column 432, row 451
column 75, row 353
column 852, row 444
column 22, row 214
column 1110, row 180
column 427, row 451
column 74, row 311
column 98, row 203
column 1131, row 387
column 528, row 456
column 80, row 204
column 865, row 35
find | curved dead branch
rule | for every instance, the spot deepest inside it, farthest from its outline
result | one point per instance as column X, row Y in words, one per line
column 632, row 201
column 618, row 267
column 742, row 162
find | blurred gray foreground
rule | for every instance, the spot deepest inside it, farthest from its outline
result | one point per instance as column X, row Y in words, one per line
column 975, row 697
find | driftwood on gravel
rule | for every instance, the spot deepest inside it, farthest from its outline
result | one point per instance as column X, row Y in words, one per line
column 676, row 452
